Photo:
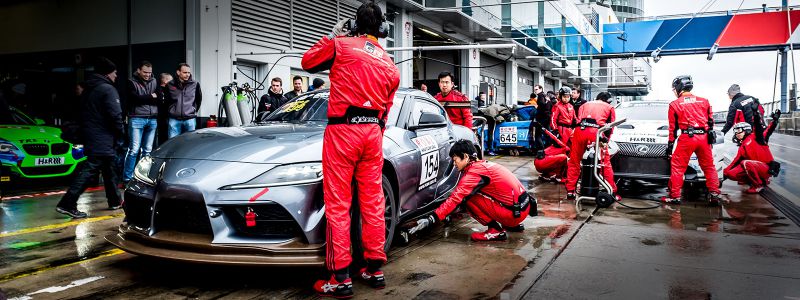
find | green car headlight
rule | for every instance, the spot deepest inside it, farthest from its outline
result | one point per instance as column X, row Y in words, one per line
column 142, row 170
column 6, row 147
column 293, row 174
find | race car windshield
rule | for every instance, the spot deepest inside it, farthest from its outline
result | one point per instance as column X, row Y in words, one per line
column 314, row 107
column 310, row 107
column 18, row 118
column 643, row 112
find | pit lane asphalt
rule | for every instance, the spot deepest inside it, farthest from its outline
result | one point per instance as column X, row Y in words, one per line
column 747, row 249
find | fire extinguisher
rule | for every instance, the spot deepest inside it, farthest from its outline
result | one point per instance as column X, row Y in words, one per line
column 212, row 121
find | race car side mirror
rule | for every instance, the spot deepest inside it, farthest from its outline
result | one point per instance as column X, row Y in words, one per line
column 429, row 120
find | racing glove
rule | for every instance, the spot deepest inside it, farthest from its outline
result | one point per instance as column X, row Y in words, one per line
column 423, row 223
column 670, row 145
column 712, row 137
column 775, row 115
column 339, row 29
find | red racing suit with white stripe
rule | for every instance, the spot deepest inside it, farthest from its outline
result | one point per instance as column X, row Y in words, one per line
column 695, row 112
column 363, row 83
column 457, row 106
column 489, row 191
column 751, row 164
column 562, row 120
column 597, row 114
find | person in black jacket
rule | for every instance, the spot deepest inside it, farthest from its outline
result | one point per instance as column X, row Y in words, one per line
column 745, row 108
column 102, row 131
column 577, row 98
column 143, row 100
column 297, row 85
column 273, row 98
column 536, row 138
column 184, row 97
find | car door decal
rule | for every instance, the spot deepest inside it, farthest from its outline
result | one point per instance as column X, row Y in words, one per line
column 429, row 160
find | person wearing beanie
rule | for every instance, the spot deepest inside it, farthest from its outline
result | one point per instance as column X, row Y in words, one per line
column 102, row 129
column 745, row 108
column 316, row 84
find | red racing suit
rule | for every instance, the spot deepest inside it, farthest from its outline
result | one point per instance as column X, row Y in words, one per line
column 751, row 165
column 690, row 111
column 489, row 190
column 594, row 114
column 363, row 83
column 458, row 107
column 554, row 162
column 562, row 120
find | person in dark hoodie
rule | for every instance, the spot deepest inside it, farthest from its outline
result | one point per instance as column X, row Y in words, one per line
column 143, row 100
column 577, row 98
column 184, row 98
column 102, row 130
column 273, row 98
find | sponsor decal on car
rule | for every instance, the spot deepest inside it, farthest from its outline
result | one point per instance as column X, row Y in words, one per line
column 508, row 135
column 429, row 160
column 642, row 139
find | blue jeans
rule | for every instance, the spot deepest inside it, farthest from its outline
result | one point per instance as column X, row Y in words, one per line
column 142, row 132
column 176, row 127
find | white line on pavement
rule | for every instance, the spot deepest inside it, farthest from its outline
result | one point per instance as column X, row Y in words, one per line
column 56, row 289
column 787, row 147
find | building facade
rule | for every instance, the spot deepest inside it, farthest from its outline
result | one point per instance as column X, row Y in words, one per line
column 254, row 40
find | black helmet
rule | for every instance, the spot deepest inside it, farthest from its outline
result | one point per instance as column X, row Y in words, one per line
column 682, row 83
column 564, row 90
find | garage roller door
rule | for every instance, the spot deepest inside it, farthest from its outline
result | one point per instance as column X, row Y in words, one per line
column 494, row 75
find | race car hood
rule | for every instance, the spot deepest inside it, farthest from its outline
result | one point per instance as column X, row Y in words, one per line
column 639, row 131
column 275, row 143
column 24, row 134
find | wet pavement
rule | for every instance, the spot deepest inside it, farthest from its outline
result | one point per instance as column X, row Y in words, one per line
column 746, row 249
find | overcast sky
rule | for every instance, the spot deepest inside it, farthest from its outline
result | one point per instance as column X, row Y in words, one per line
column 753, row 71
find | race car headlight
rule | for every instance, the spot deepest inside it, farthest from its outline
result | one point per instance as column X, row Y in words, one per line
column 142, row 170
column 284, row 175
column 7, row 147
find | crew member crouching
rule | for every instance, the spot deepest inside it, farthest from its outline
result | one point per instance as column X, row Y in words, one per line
column 553, row 166
column 754, row 163
column 492, row 194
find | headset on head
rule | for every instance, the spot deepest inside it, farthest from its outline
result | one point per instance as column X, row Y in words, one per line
column 383, row 31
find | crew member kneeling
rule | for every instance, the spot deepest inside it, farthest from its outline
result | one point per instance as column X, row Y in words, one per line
column 363, row 83
column 754, row 163
column 553, row 166
column 592, row 116
column 492, row 194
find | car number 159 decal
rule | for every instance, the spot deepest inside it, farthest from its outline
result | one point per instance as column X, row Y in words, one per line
column 429, row 160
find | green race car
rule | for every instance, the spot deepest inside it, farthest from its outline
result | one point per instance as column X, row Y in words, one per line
column 29, row 149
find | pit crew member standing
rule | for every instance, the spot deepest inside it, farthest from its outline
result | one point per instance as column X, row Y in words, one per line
column 563, row 118
column 592, row 116
column 492, row 194
column 363, row 83
column 694, row 117
column 455, row 103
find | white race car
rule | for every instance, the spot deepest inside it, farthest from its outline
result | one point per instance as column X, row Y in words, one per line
column 639, row 146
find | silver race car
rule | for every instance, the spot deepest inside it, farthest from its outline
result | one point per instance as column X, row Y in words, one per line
column 191, row 199
column 639, row 146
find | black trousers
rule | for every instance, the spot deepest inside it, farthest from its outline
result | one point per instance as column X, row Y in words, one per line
column 93, row 166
